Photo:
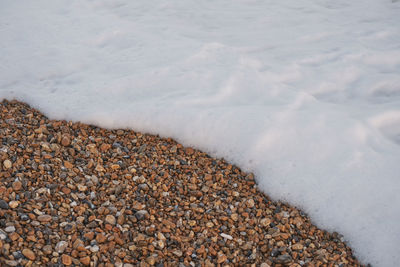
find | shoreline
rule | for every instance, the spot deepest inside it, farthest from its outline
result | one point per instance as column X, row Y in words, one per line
column 77, row 194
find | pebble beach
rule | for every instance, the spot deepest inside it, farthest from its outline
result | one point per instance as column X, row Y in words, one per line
column 73, row 194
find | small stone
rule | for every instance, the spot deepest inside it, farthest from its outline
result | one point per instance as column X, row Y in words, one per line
column 3, row 205
column 47, row 249
column 29, row 254
column 137, row 206
column 161, row 244
column 110, row 219
column 68, row 165
column 3, row 235
column 13, row 236
column 89, row 236
column 275, row 252
column 10, row 229
column 82, row 188
column 209, row 224
column 65, row 141
column 284, row 259
column 99, row 168
column 7, row 164
column 61, row 246
column 189, row 151
column 250, row 203
column 13, row 204
column 115, row 166
column 44, row 218
column 66, row 259
column 178, row 253
column 17, row 185
column 221, row 258
column 94, row 249
column 227, row 236
column 101, row 238
column 11, row 263
column 208, row 263
column 235, row 217
column 66, row 190
column 297, row 246
column 265, row 222
column 104, row 147
column 140, row 215
column 151, row 260
column 264, row 264
column 85, row 260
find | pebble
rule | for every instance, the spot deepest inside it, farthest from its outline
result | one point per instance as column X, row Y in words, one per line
column 3, row 204
column 9, row 229
column 65, row 141
column 66, row 259
column 284, row 259
column 94, row 248
column 7, row 164
column 11, row 263
column 250, row 203
column 47, row 249
column 151, row 260
column 17, row 185
column 61, row 246
column 229, row 237
column 140, row 215
column 85, row 260
column 44, row 218
column 82, row 188
column 13, row 204
column 177, row 253
column 29, row 254
column 265, row 222
column 3, row 235
column 110, row 219
column 221, row 258
column 297, row 246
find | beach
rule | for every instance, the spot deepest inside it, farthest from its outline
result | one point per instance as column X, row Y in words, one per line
column 73, row 194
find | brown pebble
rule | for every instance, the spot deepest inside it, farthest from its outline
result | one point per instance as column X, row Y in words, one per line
column 13, row 204
column 13, row 236
column 105, row 147
column 68, row 165
column 110, row 219
column 44, row 218
column 221, row 258
column 85, row 260
column 101, row 238
column 151, row 260
column 66, row 190
column 7, row 164
column 297, row 246
column 66, row 259
column 29, row 254
column 65, row 141
column 89, row 235
column 17, row 185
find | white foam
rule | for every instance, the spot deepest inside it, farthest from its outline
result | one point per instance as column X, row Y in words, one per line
column 305, row 93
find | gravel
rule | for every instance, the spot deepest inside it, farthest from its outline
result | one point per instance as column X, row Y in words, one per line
column 73, row 194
